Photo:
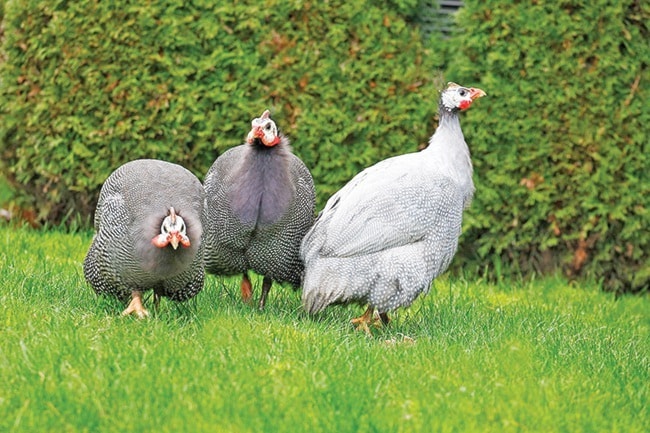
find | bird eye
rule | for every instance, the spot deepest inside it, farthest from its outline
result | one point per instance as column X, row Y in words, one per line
column 268, row 127
column 462, row 92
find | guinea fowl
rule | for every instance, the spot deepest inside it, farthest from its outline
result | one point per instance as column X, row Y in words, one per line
column 261, row 203
column 146, row 210
column 394, row 227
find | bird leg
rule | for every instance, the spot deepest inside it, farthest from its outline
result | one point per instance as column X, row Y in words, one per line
column 135, row 306
column 266, row 286
column 246, row 288
column 368, row 318
column 156, row 301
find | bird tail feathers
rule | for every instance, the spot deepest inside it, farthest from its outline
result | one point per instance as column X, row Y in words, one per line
column 321, row 289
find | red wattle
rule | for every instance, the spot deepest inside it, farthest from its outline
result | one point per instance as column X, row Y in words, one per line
column 160, row 241
column 275, row 141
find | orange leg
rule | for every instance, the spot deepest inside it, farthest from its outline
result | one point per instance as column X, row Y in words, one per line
column 368, row 318
column 362, row 323
column 246, row 288
column 135, row 306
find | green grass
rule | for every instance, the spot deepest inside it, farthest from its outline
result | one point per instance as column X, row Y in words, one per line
column 529, row 356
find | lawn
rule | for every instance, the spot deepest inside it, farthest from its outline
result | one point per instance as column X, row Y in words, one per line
column 540, row 355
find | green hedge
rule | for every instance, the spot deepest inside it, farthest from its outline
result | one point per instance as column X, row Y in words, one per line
column 89, row 85
column 562, row 149
column 560, row 145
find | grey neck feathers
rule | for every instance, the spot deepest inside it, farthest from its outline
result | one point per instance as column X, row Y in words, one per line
column 449, row 153
column 449, row 118
column 263, row 191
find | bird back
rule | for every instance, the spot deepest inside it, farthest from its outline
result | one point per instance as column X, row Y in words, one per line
column 259, row 208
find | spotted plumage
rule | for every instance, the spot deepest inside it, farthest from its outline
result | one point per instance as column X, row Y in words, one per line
column 261, row 203
column 149, row 227
column 394, row 227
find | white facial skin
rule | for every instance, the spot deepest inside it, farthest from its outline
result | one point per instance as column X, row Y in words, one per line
column 265, row 129
column 458, row 97
column 172, row 231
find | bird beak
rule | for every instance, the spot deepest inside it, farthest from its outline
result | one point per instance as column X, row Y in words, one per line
column 173, row 239
column 256, row 132
column 475, row 93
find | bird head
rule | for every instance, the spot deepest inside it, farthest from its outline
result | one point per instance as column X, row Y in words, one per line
column 172, row 231
column 456, row 97
column 264, row 129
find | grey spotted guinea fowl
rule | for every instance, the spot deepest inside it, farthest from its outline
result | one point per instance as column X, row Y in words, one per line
column 261, row 203
column 149, row 226
column 394, row 227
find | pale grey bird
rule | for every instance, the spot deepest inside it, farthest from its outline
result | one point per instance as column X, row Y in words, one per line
column 261, row 202
column 394, row 227
column 149, row 228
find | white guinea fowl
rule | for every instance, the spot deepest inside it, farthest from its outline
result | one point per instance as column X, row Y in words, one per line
column 149, row 230
column 394, row 227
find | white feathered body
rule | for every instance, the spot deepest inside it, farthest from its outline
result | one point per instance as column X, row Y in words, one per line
column 392, row 229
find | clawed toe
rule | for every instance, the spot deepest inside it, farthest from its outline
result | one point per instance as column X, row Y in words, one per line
column 135, row 306
column 368, row 318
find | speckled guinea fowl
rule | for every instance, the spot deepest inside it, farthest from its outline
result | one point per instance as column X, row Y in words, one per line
column 394, row 227
column 261, row 203
column 146, row 209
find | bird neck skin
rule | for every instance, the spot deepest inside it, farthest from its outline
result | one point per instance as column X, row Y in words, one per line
column 449, row 153
column 263, row 191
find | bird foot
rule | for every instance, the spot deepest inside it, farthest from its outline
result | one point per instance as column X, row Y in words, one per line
column 362, row 325
column 368, row 318
column 136, row 307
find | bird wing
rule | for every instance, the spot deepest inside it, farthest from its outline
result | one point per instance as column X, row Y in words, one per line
column 391, row 204
column 305, row 190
